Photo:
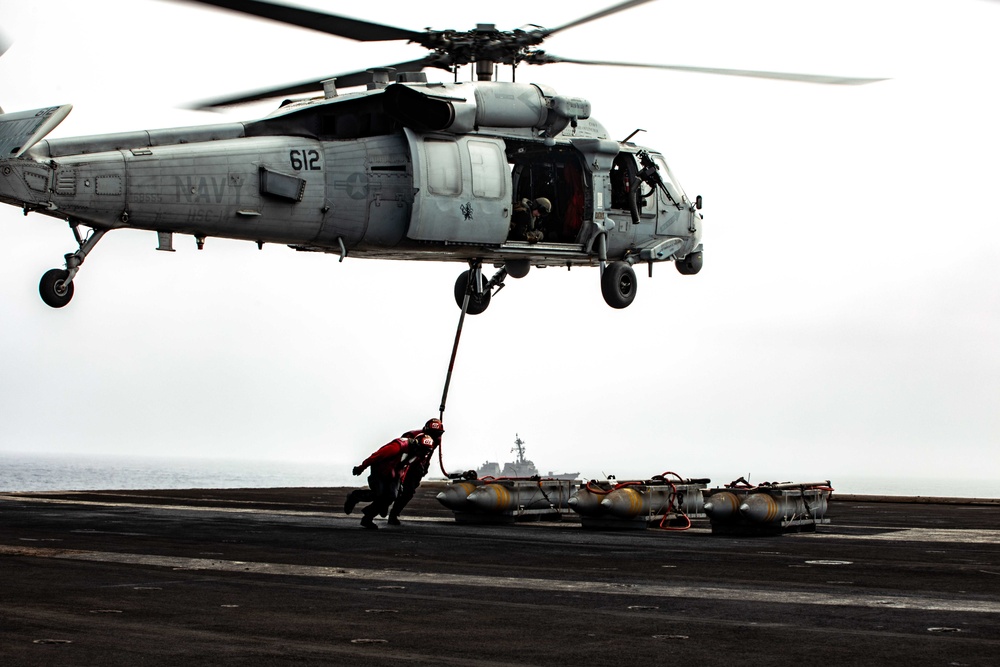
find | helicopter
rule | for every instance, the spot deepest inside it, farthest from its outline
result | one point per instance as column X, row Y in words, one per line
column 404, row 169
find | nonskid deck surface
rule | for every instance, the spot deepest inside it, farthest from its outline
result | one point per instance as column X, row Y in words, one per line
column 276, row 576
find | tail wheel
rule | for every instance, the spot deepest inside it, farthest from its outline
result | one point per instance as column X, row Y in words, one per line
column 477, row 302
column 54, row 289
column 618, row 285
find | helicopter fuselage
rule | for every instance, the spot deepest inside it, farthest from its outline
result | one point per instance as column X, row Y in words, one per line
column 411, row 171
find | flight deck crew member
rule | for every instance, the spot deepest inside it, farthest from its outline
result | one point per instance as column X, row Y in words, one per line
column 415, row 467
column 528, row 219
column 383, row 482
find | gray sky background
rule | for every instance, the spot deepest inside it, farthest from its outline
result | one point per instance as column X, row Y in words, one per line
column 846, row 321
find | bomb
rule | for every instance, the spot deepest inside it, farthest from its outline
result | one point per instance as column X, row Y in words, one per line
column 508, row 496
column 722, row 506
column 631, row 501
column 456, row 496
column 586, row 502
column 769, row 508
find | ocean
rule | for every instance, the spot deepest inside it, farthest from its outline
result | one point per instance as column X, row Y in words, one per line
column 60, row 472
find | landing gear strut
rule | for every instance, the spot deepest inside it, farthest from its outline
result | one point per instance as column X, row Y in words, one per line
column 56, row 286
column 479, row 289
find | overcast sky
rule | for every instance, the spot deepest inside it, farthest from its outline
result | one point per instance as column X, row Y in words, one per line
column 846, row 322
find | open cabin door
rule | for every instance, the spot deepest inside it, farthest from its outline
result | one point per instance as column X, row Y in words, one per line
column 559, row 174
column 462, row 189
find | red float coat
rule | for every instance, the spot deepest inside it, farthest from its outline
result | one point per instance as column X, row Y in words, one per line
column 387, row 461
column 418, row 454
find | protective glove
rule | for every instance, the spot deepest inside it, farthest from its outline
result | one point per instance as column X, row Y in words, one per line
column 358, row 470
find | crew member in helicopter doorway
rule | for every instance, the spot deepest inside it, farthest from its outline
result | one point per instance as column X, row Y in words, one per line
column 528, row 219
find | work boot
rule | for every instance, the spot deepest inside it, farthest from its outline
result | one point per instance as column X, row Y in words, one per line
column 352, row 500
column 393, row 520
column 368, row 523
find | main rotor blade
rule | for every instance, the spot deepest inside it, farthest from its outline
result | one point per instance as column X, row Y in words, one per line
column 346, row 80
column 614, row 9
column 332, row 24
column 757, row 74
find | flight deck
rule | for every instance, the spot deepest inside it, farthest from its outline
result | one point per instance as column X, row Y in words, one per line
column 283, row 576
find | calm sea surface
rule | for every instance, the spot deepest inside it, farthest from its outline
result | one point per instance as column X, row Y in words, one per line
column 32, row 472
column 53, row 472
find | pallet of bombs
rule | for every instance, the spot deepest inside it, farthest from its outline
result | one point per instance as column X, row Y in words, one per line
column 767, row 509
column 666, row 501
column 508, row 499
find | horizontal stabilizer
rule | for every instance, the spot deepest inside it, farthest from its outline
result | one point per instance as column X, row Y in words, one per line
column 21, row 130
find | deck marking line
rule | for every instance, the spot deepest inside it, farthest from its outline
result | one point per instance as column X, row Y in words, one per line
column 746, row 594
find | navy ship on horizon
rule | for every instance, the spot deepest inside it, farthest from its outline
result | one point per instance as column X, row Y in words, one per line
column 520, row 467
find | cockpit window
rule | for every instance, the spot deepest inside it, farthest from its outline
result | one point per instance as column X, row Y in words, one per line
column 673, row 187
column 622, row 175
column 624, row 180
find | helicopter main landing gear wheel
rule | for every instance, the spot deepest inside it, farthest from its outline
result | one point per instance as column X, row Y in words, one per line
column 479, row 299
column 55, row 289
column 479, row 289
column 618, row 284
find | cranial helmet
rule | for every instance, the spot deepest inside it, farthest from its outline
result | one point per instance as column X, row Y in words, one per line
column 434, row 425
column 544, row 204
